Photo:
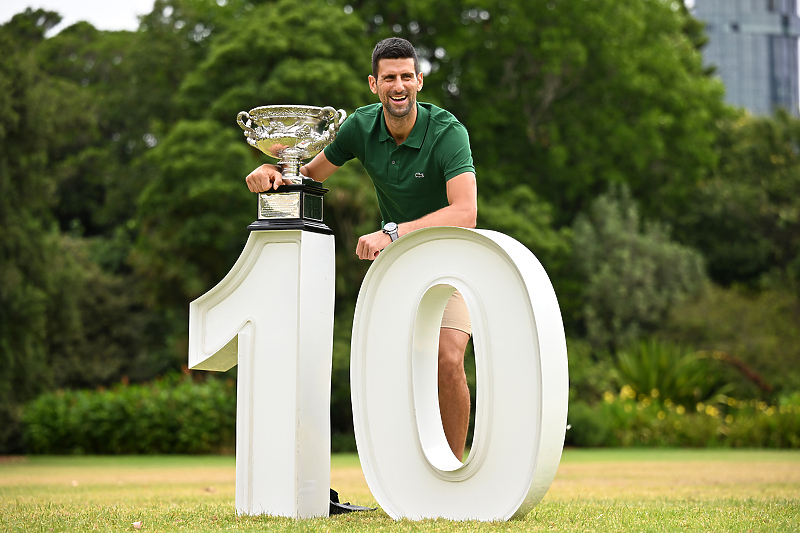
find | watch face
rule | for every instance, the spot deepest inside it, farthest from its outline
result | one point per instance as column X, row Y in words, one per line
column 389, row 227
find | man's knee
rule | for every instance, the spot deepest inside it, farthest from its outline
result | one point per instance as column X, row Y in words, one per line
column 452, row 345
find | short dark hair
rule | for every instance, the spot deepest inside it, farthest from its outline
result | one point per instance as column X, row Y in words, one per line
column 393, row 48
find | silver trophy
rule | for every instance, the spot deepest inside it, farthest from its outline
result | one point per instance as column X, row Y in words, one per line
column 290, row 134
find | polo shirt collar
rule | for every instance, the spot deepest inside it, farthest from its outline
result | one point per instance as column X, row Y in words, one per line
column 417, row 134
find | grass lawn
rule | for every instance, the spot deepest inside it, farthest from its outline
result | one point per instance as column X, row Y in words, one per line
column 595, row 490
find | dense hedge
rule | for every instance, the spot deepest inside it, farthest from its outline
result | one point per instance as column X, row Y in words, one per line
column 626, row 419
column 178, row 415
column 170, row 415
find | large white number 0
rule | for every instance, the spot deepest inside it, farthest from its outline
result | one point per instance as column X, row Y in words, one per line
column 273, row 314
column 521, row 370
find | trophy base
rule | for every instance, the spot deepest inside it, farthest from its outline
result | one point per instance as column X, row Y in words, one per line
column 295, row 206
column 285, row 224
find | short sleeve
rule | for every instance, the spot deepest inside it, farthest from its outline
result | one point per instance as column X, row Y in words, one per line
column 340, row 151
column 455, row 155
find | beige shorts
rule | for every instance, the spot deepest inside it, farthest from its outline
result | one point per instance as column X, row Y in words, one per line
column 456, row 315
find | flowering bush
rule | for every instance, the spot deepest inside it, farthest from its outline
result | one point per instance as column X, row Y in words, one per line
column 630, row 419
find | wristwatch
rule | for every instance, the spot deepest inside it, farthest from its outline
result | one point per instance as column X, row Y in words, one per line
column 390, row 229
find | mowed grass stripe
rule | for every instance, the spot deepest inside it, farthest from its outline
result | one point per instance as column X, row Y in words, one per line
column 594, row 490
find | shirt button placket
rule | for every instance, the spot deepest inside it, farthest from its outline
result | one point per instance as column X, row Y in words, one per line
column 394, row 165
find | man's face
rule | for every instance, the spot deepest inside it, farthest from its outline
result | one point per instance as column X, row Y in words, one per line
column 396, row 85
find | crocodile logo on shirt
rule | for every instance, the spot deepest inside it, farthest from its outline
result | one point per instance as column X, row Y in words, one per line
column 419, row 175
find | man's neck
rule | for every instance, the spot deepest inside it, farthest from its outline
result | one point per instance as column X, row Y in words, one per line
column 400, row 128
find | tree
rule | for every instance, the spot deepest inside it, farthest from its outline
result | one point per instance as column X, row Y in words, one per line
column 633, row 273
column 198, row 205
column 568, row 97
column 282, row 53
column 35, row 273
column 746, row 217
column 193, row 216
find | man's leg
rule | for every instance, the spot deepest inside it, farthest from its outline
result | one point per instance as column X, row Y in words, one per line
column 454, row 402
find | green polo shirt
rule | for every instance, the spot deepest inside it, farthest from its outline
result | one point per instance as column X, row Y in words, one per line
column 411, row 179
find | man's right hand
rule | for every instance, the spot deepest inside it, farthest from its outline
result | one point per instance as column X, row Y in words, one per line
column 264, row 178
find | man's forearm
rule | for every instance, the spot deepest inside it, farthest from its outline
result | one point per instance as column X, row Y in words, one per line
column 319, row 168
column 452, row 215
column 462, row 211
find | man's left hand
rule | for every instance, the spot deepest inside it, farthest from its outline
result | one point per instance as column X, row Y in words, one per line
column 369, row 246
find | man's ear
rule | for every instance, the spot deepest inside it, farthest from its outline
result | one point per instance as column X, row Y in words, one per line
column 419, row 81
column 373, row 84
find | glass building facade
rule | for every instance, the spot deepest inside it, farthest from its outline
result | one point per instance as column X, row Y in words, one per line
column 754, row 46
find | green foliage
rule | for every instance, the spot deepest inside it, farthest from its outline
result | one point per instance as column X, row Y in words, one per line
column 110, row 338
column 518, row 211
column 171, row 415
column 122, row 194
column 633, row 273
column 591, row 372
column 626, row 419
column 35, row 271
column 757, row 328
column 193, row 216
column 670, row 372
column 746, row 218
column 318, row 56
column 568, row 96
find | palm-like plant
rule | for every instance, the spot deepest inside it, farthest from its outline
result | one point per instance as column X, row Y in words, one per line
column 671, row 372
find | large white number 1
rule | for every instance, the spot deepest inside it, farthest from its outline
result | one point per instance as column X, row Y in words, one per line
column 273, row 313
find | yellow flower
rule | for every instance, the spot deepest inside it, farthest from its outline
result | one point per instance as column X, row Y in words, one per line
column 680, row 410
column 662, row 415
column 700, row 407
column 608, row 397
column 729, row 419
column 654, row 393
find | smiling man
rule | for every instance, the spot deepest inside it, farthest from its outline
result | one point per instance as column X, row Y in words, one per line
column 419, row 159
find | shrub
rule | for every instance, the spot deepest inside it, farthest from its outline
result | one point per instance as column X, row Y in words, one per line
column 632, row 420
column 759, row 328
column 633, row 272
column 677, row 374
column 170, row 415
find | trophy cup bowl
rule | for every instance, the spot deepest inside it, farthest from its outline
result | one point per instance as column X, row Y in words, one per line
column 290, row 133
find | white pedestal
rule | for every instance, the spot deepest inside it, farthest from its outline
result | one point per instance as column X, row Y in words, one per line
column 273, row 316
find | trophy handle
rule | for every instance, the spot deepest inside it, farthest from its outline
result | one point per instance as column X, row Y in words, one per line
column 246, row 127
column 337, row 124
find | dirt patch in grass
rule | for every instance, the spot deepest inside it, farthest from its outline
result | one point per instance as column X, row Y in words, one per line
column 676, row 480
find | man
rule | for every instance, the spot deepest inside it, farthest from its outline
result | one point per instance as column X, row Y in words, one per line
column 420, row 162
